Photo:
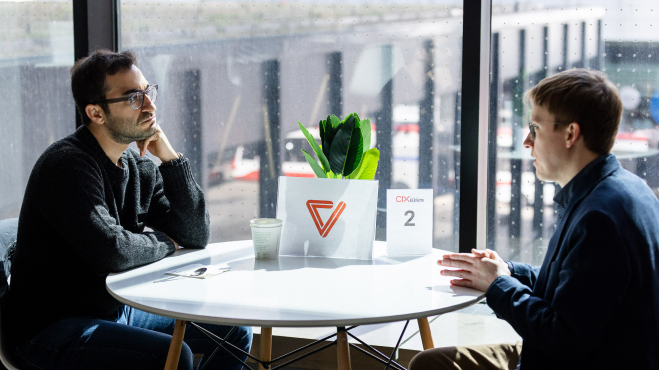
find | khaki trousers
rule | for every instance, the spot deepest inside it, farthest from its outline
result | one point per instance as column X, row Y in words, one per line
column 490, row 356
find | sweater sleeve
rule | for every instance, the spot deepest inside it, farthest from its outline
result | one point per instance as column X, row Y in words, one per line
column 591, row 284
column 74, row 203
column 178, row 207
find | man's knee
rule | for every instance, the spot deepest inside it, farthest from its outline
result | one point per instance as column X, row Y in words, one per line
column 185, row 361
column 437, row 358
column 242, row 337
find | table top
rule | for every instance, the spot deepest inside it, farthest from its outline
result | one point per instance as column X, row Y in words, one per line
column 292, row 291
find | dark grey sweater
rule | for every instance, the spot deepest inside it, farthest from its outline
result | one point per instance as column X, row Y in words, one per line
column 83, row 218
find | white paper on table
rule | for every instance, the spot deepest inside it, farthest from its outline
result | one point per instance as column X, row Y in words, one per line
column 409, row 221
column 332, row 218
column 189, row 271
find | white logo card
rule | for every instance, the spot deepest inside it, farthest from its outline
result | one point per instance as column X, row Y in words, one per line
column 327, row 217
column 409, row 221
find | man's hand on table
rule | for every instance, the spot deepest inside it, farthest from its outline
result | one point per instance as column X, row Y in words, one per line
column 477, row 269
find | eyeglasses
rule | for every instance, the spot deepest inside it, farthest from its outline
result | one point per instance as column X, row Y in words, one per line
column 136, row 99
column 534, row 126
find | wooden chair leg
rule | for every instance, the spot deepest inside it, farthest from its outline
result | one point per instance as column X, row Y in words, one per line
column 266, row 346
column 426, row 336
column 343, row 349
column 175, row 346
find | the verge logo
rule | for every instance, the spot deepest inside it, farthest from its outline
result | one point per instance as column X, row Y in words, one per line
column 324, row 228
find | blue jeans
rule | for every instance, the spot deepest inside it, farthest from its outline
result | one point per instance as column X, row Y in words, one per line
column 132, row 340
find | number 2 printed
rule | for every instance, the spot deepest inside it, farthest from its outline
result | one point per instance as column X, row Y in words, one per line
column 408, row 223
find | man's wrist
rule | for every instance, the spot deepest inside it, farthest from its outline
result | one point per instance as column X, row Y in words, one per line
column 170, row 158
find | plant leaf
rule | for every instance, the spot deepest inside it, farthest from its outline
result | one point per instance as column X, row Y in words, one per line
column 339, row 147
column 346, row 150
column 355, row 150
column 368, row 166
column 316, row 148
column 328, row 137
column 335, row 121
column 321, row 128
column 314, row 165
column 366, row 133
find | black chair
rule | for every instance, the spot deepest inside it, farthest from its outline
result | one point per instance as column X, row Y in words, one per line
column 8, row 230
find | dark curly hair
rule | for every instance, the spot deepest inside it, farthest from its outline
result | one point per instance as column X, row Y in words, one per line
column 88, row 77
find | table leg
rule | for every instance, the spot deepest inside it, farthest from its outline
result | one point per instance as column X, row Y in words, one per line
column 266, row 346
column 343, row 349
column 426, row 336
column 175, row 346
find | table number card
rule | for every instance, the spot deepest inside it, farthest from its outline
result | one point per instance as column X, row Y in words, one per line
column 409, row 221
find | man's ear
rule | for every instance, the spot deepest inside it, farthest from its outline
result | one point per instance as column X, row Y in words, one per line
column 95, row 113
column 573, row 133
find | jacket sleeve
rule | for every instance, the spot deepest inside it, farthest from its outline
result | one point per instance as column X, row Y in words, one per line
column 591, row 282
column 74, row 204
column 525, row 273
column 178, row 207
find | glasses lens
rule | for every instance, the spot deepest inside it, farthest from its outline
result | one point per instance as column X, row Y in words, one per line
column 532, row 131
column 153, row 93
column 137, row 100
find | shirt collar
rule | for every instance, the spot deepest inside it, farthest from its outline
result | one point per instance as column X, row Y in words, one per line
column 562, row 199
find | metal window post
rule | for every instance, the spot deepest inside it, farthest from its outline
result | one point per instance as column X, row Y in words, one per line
column 384, row 142
column 426, row 120
column 492, row 144
column 538, row 200
column 584, row 60
column 474, row 123
column 269, row 150
column 95, row 26
column 515, row 218
column 335, row 70
column 191, row 114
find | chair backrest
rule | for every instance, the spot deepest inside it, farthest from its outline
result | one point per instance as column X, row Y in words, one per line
column 8, row 230
column 6, row 355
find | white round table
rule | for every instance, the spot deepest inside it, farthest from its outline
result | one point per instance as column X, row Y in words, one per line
column 293, row 292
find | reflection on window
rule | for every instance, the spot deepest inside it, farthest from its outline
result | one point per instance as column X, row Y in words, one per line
column 236, row 78
column 36, row 53
column 521, row 217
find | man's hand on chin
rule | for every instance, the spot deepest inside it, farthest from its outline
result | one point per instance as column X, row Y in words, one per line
column 477, row 270
column 158, row 145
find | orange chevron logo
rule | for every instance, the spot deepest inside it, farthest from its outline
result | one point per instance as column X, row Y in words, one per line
column 324, row 228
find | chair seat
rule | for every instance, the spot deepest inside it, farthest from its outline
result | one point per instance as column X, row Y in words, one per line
column 8, row 229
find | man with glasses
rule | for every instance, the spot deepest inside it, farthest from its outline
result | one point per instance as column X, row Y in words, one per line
column 594, row 303
column 87, row 204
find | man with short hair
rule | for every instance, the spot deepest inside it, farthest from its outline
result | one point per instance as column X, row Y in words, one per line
column 86, row 206
column 594, row 303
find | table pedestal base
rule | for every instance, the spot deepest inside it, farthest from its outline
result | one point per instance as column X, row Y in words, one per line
column 266, row 362
column 175, row 346
column 426, row 336
column 343, row 349
column 266, row 346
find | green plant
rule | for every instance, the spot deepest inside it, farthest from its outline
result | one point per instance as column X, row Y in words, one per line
column 344, row 152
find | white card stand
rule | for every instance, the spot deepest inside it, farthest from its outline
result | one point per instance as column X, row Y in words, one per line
column 409, row 222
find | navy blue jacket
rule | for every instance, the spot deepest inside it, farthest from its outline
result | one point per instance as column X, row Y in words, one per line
column 594, row 303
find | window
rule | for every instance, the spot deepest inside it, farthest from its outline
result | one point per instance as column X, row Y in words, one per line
column 236, row 78
column 529, row 44
column 36, row 53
